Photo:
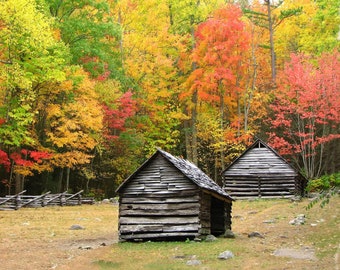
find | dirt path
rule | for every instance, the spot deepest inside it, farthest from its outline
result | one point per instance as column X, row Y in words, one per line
column 42, row 255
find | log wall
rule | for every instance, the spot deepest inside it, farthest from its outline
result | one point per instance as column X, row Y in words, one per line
column 159, row 202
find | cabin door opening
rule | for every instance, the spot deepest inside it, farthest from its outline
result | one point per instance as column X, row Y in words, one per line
column 217, row 217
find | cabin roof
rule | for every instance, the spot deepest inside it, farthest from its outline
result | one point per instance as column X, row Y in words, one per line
column 259, row 141
column 190, row 170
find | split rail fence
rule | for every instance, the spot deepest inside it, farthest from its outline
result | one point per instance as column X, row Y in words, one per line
column 17, row 201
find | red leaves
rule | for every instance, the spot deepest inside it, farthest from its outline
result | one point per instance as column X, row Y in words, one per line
column 4, row 160
column 24, row 158
column 114, row 119
column 307, row 106
column 27, row 158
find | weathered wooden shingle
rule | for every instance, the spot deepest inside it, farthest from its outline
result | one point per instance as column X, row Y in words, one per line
column 189, row 170
column 195, row 174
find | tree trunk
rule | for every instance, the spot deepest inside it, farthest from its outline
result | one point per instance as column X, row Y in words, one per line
column 194, row 145
column 222, row 109
column 19, row 183
column 60, row 180
column 67, row 178
column 271, row 40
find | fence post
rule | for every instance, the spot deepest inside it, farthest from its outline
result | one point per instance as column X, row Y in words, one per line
column 17, row 202
column 79, row 199
column 62, row 199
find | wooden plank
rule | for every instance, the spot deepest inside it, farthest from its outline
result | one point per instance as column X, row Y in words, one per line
column 161, row 220
column 137, row 236
column 158, row 212
column 159, row 206
column 154, row 200
column 158, row 228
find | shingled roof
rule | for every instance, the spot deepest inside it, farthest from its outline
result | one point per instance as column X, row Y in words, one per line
column 191, row 171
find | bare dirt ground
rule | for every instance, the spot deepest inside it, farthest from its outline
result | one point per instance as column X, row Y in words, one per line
column 41, row 238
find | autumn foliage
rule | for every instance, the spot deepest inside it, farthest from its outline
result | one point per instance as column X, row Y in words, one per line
column 89, row 89
column 307, row 109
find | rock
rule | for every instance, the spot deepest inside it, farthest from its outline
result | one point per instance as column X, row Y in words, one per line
column 106, row 201
column 194, row 261
column 210, row 238
column 225, row 255
column 229, row 234
column 303, row 254
column 296, row 199
column 114, row 200
column 314, row 224
column 269, row 221
column 299, row 220
column 255, row 234
column 77, row 227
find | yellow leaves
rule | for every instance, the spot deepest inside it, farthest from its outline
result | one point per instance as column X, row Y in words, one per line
column 22, row 16
column 75, row 124
column 70, row 159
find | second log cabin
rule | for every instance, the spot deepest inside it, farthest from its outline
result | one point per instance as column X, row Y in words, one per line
column 260, row 172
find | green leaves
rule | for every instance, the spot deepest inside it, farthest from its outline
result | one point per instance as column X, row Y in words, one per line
column 91, row 34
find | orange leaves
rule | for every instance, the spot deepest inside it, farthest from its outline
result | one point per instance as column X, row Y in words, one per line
column 221, row 41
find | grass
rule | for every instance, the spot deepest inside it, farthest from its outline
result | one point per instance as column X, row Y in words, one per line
column 46, row 232
column 249, row 253
column 170, row 255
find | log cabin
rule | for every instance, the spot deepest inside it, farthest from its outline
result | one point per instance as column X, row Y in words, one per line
column 169, row 198
column 260, row 172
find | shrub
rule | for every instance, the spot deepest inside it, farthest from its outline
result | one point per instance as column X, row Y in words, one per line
column 325, row 182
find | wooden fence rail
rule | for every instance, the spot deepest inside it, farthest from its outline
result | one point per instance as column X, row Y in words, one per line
column 17, row 201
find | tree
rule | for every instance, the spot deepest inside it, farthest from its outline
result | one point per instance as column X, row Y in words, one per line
column 221, row 43
column 306, row 114
column 270, row 19
column 184, row 18
column 87, row 27
column 30, row 57
column 152, row 51
column 313, row 31
column 74, row 125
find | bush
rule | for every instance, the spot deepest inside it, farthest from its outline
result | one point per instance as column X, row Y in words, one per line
column 325, row 182
column 327, row 186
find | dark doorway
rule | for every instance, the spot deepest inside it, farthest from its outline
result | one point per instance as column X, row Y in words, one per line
column 217, row 214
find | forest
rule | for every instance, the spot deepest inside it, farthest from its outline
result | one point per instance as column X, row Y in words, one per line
column 89, row 89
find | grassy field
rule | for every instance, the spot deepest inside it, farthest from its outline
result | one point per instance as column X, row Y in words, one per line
column 41, row 239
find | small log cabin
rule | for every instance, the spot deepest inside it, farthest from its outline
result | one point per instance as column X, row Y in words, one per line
column 169, row 198
column 262, row 173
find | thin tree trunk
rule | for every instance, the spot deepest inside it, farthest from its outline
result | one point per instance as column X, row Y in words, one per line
column 60, row 180
column 271, row 40
column 222, row 109
column 67, row 178
column 194, row 129
column 194, row 144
